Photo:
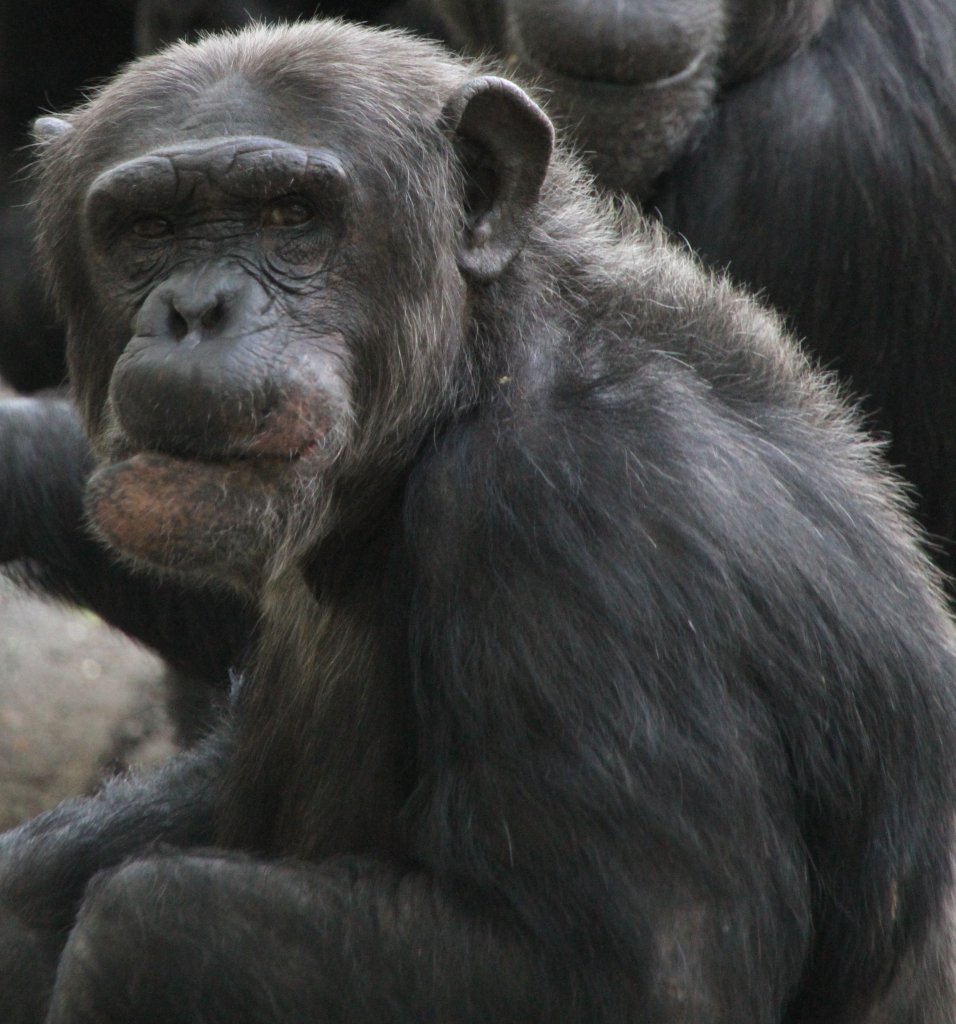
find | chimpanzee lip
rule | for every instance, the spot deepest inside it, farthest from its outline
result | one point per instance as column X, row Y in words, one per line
column 284, row 433
column 274, row 452
column 242, row 452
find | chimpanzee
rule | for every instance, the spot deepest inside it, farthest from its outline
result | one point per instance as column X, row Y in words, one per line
column 600, row 675
column 808, row 145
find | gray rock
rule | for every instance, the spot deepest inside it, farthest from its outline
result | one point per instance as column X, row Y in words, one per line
column 78, row 701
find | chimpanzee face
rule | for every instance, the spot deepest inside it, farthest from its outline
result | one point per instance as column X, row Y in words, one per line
column 275, row 285
column 226, row 257
column 218, row 249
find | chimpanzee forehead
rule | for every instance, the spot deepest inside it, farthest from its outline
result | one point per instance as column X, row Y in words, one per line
column 235, row 107
column 330, row 86
column 230, row 106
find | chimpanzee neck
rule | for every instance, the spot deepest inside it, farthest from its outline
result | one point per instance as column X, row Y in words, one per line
column 324, row 754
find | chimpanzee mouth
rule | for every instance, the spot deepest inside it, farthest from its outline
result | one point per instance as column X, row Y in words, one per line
column 270, row 430
column 263, row 450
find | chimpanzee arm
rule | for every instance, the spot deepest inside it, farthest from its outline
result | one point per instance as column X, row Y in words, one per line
column 46, row 863
column 44, row 462
column 351, row 941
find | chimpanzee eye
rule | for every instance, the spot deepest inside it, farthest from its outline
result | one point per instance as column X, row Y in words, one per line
column 287, row 212
column 152, row 227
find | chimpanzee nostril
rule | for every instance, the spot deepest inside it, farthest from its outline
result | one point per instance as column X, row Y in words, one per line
column 178, row 324
column 214, row 315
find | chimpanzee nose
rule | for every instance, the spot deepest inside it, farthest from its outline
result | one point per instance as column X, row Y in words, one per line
column 197, row 313
column 192, row 308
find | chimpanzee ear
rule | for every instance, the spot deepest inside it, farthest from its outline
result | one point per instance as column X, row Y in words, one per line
column 46, row 129
column 503, row 141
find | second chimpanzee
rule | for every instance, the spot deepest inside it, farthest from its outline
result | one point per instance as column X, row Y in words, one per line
column 600, row 677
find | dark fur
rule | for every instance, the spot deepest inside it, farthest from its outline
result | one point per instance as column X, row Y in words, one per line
column 823, row 174
column 601, row 680
column 832, row 189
